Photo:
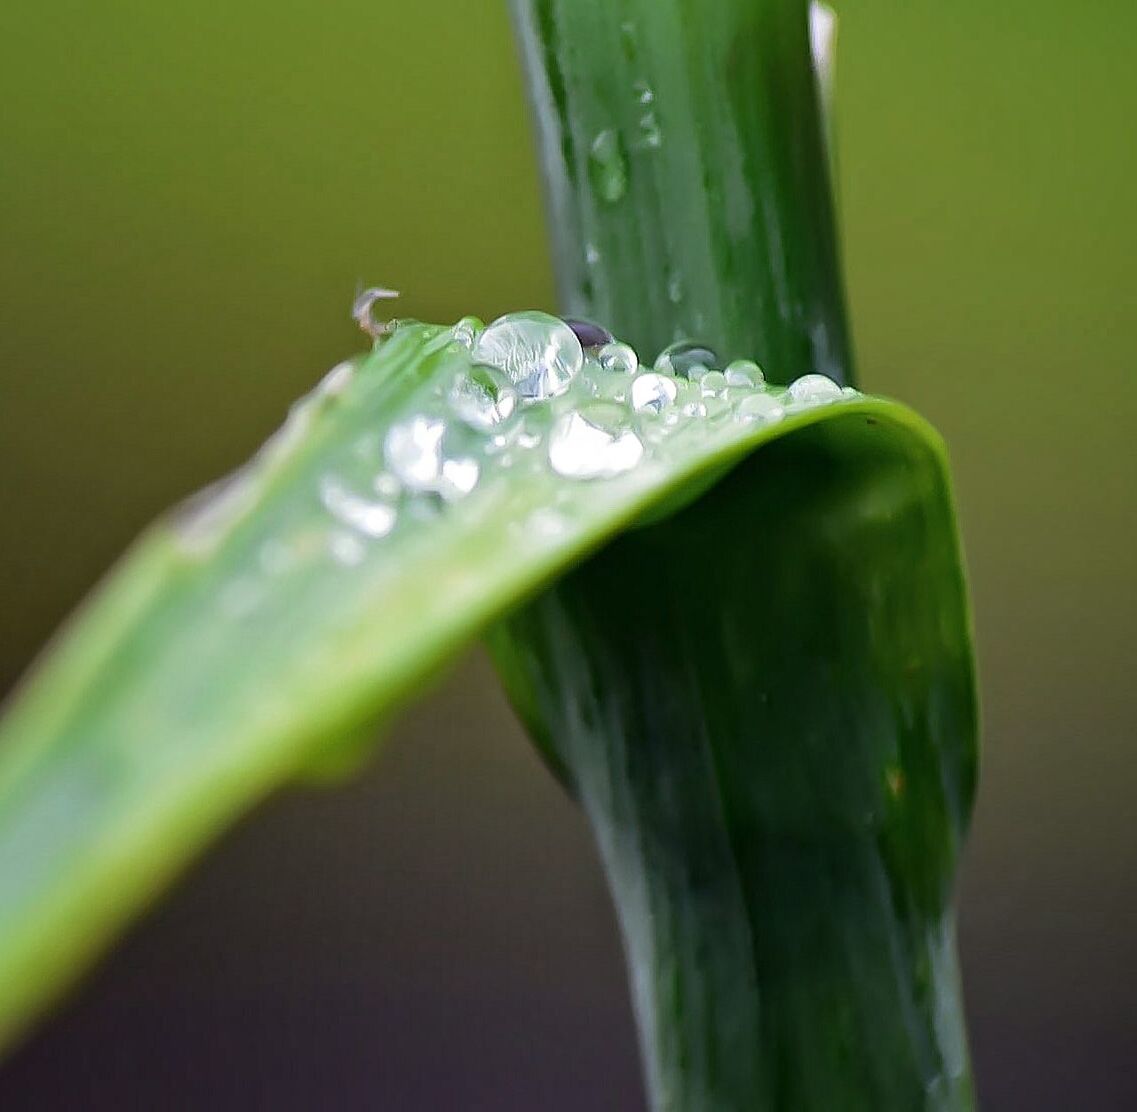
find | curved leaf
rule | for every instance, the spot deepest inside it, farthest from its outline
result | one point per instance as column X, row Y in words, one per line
column 254, row 635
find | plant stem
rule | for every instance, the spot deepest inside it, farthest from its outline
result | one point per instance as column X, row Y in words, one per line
column 778, row 767
column 686, row 176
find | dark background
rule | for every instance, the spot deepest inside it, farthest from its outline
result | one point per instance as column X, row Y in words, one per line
column 189, row 194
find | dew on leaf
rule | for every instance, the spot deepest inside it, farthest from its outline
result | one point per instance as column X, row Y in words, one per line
column 539, row 353
column 594, row 442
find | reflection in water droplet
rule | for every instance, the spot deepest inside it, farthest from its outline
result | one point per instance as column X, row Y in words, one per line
column 685, row 359
column 619, row 357
column 588, row 333
column 814, row 390
column 760, row 407
column 482, row 397
column 607, row 167
column 361, row 311
column 652, row 392
column 744, row 372
column 540, row 354
column 594, row 443
column 375, row 519
column 413, row 450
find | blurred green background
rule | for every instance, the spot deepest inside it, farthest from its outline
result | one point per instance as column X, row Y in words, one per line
column 189, row 194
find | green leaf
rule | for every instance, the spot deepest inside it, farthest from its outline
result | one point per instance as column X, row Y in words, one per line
column 257, row 635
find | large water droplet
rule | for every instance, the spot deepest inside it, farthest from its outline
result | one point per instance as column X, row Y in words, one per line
column 744, row 372
column 588, row 333
column 619, row 357
column 413, row 450
column 685, row 359
column 814, row 390
column 482, row 397
column 760, row 407
column 594, row 443
column 607, row 167
column 375, row 519
column 540, row 354
column 653, row 392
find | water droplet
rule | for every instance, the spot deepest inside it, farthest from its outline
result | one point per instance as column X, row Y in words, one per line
column 652, row 392
column 675, row 290
column 651, row 138
column 482, row 397
column 814, row 390
column 744, row 372
column 643, row 91
column 594, row 443
column 683, row 357
column 413, row 450
column 588, row 333
column 466, row 331
column 715, row 407
column 619, row 357
column 760, row 407
column 713, row 383
column 361, row 311
column 607, row 167
column 591, row 254
column 375, row 519
column 540, row 354
column 459, row 477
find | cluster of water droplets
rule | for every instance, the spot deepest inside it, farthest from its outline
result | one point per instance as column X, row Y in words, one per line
column 543, row 393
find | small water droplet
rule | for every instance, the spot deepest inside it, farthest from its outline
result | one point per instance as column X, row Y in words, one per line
column 652, row 392
column 361, row 311
column 540, row 354
column 814, row 390
column 651, row 137
column 375, row 519
column 744, row 372
column 607, row 167
column 465, row 331
column 760, row 407
column 413, row 450
column 686, row 359
column 713, row 383
column 591, row 254
column 643, row 91
column 619, row 357
column 675, row 290
column 594, row 443
column 482, row 397
column 588, row 333
column 459, row 477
